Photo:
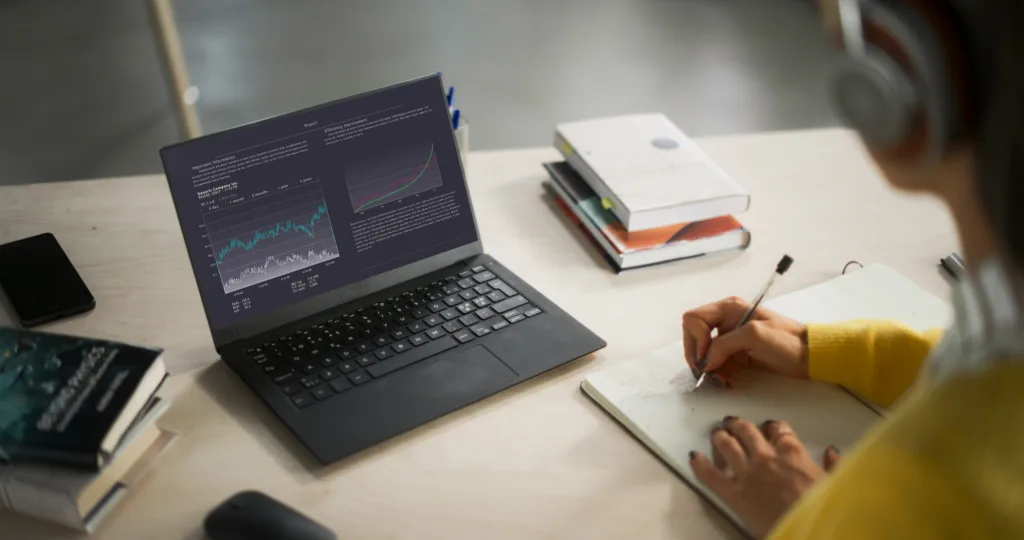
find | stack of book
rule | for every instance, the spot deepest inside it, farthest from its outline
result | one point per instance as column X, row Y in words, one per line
column 644, row 192
column 77, row 424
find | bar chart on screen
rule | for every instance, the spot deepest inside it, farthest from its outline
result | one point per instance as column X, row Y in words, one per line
column 393, row 177
column 271, row 235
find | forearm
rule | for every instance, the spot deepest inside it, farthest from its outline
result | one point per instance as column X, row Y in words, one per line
column 877, row 359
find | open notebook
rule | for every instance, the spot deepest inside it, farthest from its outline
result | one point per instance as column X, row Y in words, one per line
column 652, row 395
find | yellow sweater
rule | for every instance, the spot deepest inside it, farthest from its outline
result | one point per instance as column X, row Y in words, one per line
column 948, row 461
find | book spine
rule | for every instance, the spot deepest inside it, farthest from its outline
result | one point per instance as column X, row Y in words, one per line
column 608, row 197
column 38, row 501
column 586, row 232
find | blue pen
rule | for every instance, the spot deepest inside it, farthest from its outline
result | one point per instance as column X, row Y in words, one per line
column 455, row 119
column 451, row 96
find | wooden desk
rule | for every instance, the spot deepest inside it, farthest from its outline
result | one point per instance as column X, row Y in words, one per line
column 538, row 461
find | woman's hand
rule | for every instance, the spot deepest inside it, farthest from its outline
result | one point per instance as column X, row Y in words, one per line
column 759, row 473
column 769, row 341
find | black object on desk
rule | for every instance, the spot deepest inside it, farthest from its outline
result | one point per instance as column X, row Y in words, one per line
column 251, row 515
column 348, row 288
column 41, row 282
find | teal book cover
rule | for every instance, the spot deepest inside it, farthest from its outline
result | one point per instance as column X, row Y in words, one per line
column 67, row 400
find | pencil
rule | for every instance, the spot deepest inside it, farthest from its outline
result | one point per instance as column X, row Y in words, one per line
column 780, row 269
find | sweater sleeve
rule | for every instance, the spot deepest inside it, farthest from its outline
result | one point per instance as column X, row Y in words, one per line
column 877, row 359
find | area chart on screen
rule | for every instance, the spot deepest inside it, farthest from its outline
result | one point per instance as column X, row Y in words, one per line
column 270, row 236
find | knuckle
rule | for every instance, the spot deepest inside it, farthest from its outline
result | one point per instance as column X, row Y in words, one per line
column 788, row 443
column 720, row 436
column 742, row 425
column 758, row 329
column 736, row 301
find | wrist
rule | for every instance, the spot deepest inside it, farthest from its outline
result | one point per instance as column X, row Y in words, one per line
column 803, row 360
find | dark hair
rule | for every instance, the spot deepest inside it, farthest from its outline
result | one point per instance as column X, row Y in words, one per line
column 996, row 29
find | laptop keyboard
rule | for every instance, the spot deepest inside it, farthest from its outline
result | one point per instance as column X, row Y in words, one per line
column 326, row 359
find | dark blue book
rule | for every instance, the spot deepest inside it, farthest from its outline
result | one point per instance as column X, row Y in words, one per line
column 69, row 400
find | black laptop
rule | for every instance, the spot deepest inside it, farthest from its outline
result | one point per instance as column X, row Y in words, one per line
column 342, row 272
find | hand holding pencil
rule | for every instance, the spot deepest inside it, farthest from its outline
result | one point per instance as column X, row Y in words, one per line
column 732, row 334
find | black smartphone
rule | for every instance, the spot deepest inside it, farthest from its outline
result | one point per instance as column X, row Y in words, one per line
column 41, row 282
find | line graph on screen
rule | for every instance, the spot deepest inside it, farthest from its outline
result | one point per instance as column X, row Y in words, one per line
column 394, row 177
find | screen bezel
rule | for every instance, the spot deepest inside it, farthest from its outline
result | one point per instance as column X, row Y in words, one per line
column 353, row 291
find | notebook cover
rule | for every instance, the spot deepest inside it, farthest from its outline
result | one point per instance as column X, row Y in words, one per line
column 653, row 397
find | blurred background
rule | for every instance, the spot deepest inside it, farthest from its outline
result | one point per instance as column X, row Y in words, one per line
column 84, row 94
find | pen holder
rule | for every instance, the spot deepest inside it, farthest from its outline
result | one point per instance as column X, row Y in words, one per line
column 462, row 137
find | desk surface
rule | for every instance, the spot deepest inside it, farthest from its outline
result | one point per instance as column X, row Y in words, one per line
column 537, row 461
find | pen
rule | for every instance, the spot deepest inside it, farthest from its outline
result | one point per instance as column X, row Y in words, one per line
column 954, row 264
column 451, row 96
column 780, row 269
column 455, row 118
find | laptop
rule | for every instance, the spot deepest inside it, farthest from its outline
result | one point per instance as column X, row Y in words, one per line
column 342, row 273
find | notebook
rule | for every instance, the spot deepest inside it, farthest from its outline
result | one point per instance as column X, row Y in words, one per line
column 648, row 172
column 652, row 395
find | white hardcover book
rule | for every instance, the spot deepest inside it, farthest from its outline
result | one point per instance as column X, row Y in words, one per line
column 653, row 396
column 648, row 172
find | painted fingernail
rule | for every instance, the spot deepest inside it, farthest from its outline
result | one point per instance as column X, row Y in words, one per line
column 716, row 382
column 766, row 423
column 728, row 384
column 729, row 418
column 703, row 363
column 693, row 455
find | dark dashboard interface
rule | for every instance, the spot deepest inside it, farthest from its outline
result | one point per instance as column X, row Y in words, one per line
column 289, row 208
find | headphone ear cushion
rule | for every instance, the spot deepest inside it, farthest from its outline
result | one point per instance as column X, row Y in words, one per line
column 874, row 95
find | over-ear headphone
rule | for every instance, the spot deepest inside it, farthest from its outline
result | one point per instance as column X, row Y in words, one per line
column 901, row 82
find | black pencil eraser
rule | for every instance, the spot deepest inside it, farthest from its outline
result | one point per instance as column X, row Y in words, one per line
column 784, row 264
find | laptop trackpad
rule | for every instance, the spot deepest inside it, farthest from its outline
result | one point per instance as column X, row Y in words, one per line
column 470, row 374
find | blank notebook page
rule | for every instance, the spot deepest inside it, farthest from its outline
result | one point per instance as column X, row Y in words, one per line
column 653, row 395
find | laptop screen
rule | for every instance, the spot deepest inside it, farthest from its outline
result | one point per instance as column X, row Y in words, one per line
column 293, row 207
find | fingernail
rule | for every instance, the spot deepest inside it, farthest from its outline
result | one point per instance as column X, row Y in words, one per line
column 729, row 418
column 716, row 382
column 717, row 428
column 833, row 448
column 703, row 363
column 693, row 455
column 766, row 423
column 728, row 384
